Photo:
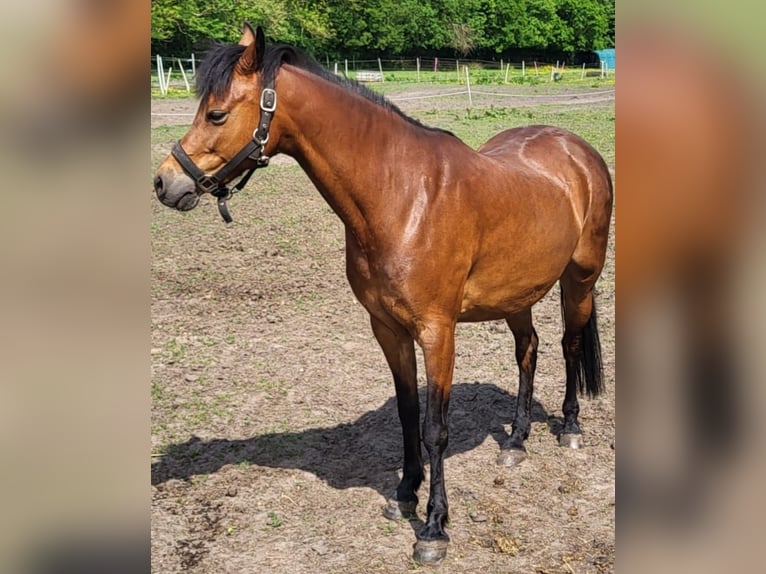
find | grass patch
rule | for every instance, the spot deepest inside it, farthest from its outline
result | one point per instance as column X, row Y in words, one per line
column 158, row 393
column 273, row 520
column 271, row 387
column 491, row 76
column 165, row 134
column 174, row 351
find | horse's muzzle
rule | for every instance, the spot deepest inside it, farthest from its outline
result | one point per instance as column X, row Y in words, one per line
column 178, row 193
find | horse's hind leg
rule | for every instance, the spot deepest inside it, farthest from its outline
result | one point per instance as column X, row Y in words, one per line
column 525, row 338
column 581, row 346
column 399, row 350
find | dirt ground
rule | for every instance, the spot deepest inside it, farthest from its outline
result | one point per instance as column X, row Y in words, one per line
column 274, row 429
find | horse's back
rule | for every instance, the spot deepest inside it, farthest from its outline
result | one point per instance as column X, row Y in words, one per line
column 509, row 141
column 577, row 171
column 547, row 163
column 541, row 145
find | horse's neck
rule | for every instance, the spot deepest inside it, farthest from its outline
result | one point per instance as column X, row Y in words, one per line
column 343, row 142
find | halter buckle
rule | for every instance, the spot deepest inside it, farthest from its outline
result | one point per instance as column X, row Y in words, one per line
column 269, row 100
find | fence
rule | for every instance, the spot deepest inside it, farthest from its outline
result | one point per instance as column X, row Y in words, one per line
column 178, row 73
column 186, row 68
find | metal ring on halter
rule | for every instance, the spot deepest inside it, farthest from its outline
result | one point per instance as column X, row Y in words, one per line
column 263, row 142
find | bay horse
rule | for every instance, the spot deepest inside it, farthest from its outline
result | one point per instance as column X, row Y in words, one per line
column 436, row 232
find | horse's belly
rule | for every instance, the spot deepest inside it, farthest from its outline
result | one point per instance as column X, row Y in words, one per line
column 480, row 305
column 494, row 292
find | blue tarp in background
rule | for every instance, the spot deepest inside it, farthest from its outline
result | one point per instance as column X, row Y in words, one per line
column 607, row 56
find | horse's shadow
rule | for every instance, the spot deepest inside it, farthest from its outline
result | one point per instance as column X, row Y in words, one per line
column 366, row 453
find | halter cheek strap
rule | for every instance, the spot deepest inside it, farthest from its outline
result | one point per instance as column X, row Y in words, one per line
column 215, row 184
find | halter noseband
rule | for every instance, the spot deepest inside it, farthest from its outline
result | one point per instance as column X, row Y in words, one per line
column 215, row 184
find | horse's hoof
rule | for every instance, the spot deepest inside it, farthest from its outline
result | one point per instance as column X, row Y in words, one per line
column 398, row 510
column 570, row 440
column 430, row 552
column 511, row 457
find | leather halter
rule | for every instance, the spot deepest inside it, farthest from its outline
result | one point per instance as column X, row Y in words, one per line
column 215, row 184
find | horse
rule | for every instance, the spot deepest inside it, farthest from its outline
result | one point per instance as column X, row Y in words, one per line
column 436, row 233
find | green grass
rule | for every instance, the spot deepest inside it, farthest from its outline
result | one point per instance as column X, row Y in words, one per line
column 173, row 93
column 165, row 134
column 494, row 76
column 271, row 387
column 175, row 352
column 158, row 393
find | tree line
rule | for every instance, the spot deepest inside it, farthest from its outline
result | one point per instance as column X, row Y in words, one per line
column 345, row 28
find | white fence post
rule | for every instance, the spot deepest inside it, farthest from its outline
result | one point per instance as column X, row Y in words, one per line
column 161, row 76
column 468, row 83
column 183, row 75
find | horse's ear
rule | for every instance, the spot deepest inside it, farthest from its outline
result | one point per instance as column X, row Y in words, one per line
column 255, row 46
column 260, row 41
column 248, row 35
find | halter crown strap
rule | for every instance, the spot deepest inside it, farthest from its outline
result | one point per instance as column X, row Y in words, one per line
column 214, row 184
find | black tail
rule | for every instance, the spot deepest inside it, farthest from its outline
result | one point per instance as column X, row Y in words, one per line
column 591, row 368
column 589, row 372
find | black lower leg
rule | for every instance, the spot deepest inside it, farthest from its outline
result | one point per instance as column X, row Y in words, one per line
column 526, row 357
column 438, row 342
column 409, row 415
column 436, row 438
column 572, row 351
column 399, row 350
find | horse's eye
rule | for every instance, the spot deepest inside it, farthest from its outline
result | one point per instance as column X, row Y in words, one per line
column 217, row 116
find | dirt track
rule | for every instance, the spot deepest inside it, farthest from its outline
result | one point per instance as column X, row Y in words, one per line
column 274, row 426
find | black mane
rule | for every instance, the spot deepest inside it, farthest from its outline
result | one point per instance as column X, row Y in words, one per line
column 215, row 73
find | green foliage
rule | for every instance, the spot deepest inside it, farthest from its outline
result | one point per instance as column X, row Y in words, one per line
column 391, row 27
column 273, row 520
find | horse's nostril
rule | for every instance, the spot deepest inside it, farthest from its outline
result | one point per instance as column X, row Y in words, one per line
column 159, row 186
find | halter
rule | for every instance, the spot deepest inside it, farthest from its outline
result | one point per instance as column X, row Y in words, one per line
column 215, row 184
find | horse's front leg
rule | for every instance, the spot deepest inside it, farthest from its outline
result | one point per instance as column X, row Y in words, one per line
column 438, row 343
column 399, row 349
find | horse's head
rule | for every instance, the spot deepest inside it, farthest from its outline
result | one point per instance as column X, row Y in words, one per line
column 230, row 130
